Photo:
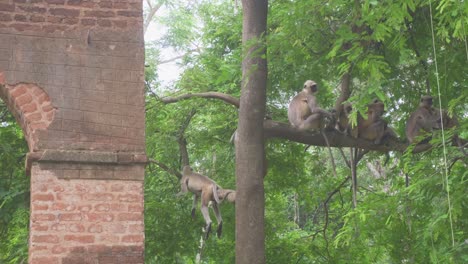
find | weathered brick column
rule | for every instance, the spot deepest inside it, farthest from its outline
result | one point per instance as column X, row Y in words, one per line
column 72, row 73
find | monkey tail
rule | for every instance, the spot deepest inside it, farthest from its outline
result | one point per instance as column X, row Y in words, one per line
column 215, row 193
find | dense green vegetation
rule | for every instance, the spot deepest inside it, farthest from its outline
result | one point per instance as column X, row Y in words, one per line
column 387, row 47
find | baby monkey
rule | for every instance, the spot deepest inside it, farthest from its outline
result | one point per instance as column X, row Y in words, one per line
column 206, row 189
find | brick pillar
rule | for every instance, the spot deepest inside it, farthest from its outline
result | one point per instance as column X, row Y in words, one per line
column 72, row 74
column 86, row 207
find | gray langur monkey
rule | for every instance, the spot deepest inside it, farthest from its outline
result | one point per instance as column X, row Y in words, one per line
column 206, row 189
column 227, row 194
column 423, row 120
column 304, row 112
column 374, row 128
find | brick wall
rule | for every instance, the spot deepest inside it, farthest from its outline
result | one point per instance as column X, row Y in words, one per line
column 88, row 56
column 72, row 74
column 84, row 220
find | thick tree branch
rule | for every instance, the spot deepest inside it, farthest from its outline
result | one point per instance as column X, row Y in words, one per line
column 213, row 95
column 336, row 139
column 275, row 129
column 152, row 12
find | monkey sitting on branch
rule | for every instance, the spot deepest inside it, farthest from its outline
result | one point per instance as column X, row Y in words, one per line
column 304, row 112
column 206, row 189
column 374, row 128
column 422, row 121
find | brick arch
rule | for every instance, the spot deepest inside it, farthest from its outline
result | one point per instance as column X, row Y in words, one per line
column 30, row 105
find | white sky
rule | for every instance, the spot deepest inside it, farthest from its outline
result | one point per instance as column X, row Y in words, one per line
column 168, row 72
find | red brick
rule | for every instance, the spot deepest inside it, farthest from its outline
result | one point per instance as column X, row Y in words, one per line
column 84, row 208
column 118, row 207
column 63, row 206
column 43, row 217
column 34, row 18
column 88, row 22
column 101, row 197
column 39, row 227
column 70, row 217
column 71, row 21
column 39, row 125
column 58, row 249
column 101, row 217
column 40, row 207
column 56, row 2
column 99, row 13
column 81, row 3
column 53, row 239
column 21, row 18
column 138, row 228
column 102, row 207
column 7, row 7
column 75, row 228
column 133, row 238
column 105, row 4
column 58, row 227
column 45, row 260
column 53, row 28
column 120, row 5
column 43, row 197
column 109, row 238
column 18, row 90
column 130, row 198
column 64, row 12
column 129, row 13
column 5, row 17
column 135, row 208
column 31, row 117
column 104, row 23
column 119, row 23
column 31, row 107
column 26, row 27
column 115, row 227
column 117, row 187
column 33, row 9
column 80, row 238
column 130, row 217
column 95, row 228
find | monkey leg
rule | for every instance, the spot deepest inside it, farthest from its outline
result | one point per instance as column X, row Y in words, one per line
column 194, row 205
column 219, row 219
column 313, row 122
column 206, row 215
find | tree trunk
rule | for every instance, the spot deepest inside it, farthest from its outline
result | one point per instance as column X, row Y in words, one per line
column 250, row 151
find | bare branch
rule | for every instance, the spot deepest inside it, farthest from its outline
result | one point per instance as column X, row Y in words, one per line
column 179, row 57
column 166, row 168
column 182, row 141
column 213, row 95
column 152, row 12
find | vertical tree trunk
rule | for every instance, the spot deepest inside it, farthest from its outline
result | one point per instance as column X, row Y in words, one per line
column 250, row 151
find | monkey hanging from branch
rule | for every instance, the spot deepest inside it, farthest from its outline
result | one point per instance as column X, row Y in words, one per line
column 207, row 191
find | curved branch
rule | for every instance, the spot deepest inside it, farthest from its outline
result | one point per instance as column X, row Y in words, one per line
column 212, row 95
column 166, row 168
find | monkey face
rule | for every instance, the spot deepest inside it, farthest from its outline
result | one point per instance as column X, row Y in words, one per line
column 426, row 101
column 310, row 86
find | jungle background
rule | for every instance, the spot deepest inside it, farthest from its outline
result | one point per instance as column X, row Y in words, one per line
column 403, row 50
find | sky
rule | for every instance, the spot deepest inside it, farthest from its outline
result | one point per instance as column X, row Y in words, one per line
column 168, row 72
